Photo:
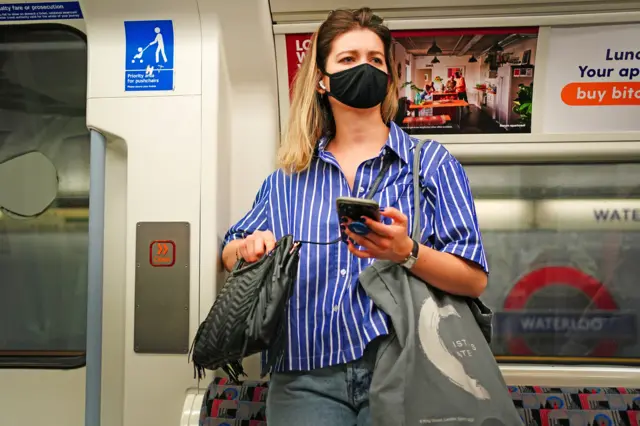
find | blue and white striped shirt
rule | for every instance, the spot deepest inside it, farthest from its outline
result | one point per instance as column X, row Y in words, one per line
column 331, row 318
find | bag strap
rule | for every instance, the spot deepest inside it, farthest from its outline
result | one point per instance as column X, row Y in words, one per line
column 415, row 233
column 386, row 163
column 481, row 312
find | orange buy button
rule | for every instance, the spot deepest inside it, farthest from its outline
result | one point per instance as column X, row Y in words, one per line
column 601, row 94
column 162, row 253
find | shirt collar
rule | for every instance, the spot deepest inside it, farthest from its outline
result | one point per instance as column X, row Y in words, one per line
column 398, row 141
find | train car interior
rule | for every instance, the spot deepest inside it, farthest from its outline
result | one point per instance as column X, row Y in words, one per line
column 134, row 133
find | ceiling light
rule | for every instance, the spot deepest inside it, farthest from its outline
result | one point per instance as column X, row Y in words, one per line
column 434, row 49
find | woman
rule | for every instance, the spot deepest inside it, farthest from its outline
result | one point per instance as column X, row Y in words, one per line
column 451, row 83
column 428, row 85
column 461, row 87
column 340, row 128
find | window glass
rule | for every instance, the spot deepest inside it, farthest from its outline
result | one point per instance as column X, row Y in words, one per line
column 44, row 195
column 563, row 245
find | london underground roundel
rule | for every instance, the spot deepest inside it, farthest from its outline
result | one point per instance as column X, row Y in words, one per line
column 558, row 306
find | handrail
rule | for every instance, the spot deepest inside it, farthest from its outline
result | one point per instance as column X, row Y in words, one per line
column 94, row 291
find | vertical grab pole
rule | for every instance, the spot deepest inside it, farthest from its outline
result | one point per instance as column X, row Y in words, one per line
column 94, row 293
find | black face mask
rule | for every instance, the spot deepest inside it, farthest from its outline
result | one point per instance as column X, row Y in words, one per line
column 363, row 86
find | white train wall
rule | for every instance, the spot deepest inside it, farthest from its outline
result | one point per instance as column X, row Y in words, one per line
column 169, row 158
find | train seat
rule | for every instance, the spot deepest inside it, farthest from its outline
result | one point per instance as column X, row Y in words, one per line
column 225, row 404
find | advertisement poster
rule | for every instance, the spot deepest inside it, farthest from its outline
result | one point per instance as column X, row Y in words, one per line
column 457, row 81
column 592, row 80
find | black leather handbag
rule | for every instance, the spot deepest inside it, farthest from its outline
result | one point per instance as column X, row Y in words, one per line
column 249, row 314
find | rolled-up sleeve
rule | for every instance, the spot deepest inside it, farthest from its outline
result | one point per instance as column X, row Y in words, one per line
column 256, row 219
column 455, row 223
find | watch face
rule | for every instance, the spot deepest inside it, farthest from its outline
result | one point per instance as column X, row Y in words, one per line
column 410, row 262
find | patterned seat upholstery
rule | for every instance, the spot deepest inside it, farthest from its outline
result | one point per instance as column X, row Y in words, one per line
column 244, row 405
column 577, row 406
column 230, row 405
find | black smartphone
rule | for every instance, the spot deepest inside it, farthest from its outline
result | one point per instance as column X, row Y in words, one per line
column 351, row 210
column 354, row 208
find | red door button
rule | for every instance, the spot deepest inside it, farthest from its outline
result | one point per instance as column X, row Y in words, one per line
column 162, row 253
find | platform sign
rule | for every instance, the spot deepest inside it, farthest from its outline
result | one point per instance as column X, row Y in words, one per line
column 50, row 11
column 581, row 325
column 592, row 321
column 149, row 58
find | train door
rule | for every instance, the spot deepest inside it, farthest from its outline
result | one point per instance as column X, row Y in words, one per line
column 171, row 157
column 43, row 231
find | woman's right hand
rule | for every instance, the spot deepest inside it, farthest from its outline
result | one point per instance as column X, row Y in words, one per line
column 256, row 245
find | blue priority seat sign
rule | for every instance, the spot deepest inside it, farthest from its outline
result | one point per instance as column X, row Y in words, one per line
column 149, row 57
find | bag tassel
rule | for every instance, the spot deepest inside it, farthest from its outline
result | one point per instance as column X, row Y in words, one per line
column 198, row 370
column 234, row 370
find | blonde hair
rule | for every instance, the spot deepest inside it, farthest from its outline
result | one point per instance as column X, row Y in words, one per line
column 310, row 116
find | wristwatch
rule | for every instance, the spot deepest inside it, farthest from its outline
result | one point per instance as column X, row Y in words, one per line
column 413, row 256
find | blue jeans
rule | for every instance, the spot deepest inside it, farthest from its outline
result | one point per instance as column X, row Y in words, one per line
column 331, row 396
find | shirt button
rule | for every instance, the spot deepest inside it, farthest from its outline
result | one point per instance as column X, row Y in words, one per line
column 336, row 308
column 343, row 272
column 361, row 189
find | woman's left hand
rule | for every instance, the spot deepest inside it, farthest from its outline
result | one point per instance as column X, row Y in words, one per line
column 385, row 242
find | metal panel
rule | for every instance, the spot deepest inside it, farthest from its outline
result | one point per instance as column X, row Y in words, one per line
column 161, row 322
column 570, row 376
column 554, row 151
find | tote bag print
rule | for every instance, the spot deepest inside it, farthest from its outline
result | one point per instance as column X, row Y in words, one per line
column 440, row 327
